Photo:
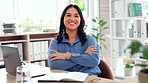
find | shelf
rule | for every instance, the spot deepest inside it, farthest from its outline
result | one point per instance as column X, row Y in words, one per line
column 43, row 35
column 137, row 38
column 129, row 18
column 127, row 38
column 41, row 39
column 38, row 60
column 136, row 59
column 14, row 41
column 28, row 45
column 125, row 27
column 120, row 38
column 12, row 38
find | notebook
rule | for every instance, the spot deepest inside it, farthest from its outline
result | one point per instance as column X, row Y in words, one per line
column 12, row 60
column 72, row 77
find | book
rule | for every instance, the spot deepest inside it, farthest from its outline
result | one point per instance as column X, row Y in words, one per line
column 138, row 9
column 135, row 9
column 68, row 77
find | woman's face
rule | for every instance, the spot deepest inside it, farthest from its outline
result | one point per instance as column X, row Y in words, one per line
column 72, row 19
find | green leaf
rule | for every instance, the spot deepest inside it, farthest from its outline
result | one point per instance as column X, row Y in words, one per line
column 94, row 29
column 104, row 28
column 100, row 22
column 103, row 24
column 92, row 34
column 93, row 20
column 104, row 45
column 97, row 18
column 129, row 66
column 102, row 39
column 144, row 50
column 98, row 31
column 142, row 65
column 135, row 46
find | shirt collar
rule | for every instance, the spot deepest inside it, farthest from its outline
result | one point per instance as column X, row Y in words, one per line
column 66, row 40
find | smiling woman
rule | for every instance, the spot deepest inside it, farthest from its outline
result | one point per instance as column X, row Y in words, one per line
column 72, row 47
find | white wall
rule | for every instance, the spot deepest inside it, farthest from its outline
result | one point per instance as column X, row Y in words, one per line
column 104, row 14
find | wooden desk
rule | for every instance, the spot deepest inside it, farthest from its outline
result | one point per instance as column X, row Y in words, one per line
column 6, row 78
column 130, row 80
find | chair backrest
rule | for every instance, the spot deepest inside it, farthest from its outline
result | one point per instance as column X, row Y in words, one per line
column 106, row 72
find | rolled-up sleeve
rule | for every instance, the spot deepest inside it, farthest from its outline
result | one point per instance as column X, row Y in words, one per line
column 87, row 59
column 58, row 64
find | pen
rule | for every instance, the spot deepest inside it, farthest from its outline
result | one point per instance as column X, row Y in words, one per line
column 38, row 75
column 59, row 81
column 48, row 81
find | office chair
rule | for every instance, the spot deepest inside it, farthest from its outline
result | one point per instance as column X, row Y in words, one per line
column 106, row 72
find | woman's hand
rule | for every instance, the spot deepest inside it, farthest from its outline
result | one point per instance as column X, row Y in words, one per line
column 91, row 49
column 58, row 56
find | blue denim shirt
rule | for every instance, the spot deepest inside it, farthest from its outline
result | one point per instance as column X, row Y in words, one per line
column 79, row 61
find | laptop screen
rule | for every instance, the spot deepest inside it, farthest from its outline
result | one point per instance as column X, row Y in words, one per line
column 11, row 58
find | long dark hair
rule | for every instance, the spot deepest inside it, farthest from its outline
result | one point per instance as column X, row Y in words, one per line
column 62, row 28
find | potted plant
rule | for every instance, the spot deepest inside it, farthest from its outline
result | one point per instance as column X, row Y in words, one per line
column 138, row 47
column 98, row 31
column 143, row 73
column 134, row 47
column 129, row 69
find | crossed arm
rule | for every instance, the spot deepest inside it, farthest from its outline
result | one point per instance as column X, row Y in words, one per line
column 66, row 56
column 90, row 57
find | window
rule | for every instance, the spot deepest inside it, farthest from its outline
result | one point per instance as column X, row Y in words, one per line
column 6, row 10
column 30, row 15
column 37, row 15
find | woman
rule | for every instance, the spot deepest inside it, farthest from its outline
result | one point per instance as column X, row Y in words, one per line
column 73, row 50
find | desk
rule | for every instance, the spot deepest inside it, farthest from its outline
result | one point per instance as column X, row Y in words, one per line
column 130, row 80
column 6, row 78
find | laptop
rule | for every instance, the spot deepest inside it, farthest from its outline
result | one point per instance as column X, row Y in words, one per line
column 12, row 60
